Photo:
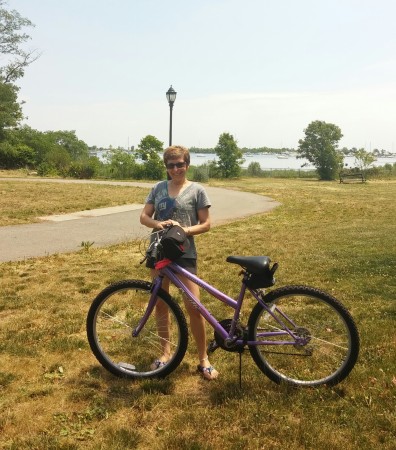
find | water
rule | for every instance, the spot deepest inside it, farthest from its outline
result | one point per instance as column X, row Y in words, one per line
column 276, row 162
column 265, row 161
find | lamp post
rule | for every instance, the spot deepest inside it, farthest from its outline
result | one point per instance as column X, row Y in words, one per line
column 171, row 96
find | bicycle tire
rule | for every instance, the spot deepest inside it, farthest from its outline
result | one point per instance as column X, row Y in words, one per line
column 111, row 319
column 333, row 346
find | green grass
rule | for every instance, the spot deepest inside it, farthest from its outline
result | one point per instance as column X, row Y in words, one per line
column 22, row 202
column 55, row 395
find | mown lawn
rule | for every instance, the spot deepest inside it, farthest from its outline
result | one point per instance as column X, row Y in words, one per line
column 22, row 202
column 54, row 394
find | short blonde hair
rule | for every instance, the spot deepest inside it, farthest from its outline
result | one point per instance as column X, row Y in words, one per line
column 177, row 151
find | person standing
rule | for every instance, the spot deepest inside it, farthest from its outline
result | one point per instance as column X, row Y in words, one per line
column 178, row 201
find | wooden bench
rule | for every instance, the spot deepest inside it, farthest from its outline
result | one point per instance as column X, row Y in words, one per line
column 346, row 177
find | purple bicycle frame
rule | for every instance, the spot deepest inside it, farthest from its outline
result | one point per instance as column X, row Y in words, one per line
column 171, row 272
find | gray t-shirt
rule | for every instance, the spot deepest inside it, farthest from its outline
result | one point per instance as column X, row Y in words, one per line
column 183, row 208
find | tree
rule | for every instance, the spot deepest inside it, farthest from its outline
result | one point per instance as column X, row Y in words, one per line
column 254, row 169
column 148, row 151
column 11, row 39
column 15, row 156
column 53, row 151
column 56, row 162
column 364, row 159
column 149, row 148
column 320, row 148
column 36, row 140
column 15, row 59
column 68, row 140
column 230, row 156
column 10, row 109
column 122, row 165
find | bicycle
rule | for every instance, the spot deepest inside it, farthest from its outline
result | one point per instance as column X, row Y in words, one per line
column 298, row 335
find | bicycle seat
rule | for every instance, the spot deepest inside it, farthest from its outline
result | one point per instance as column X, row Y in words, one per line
column 253, row 264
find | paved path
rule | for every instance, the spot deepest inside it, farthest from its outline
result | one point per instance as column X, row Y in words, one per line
column 107, row 226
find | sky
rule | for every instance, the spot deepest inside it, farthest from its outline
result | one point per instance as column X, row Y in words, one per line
column 261, row 70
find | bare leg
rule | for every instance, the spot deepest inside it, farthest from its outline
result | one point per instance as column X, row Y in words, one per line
column 198, row 329
column 163, row 325
column 162, row 319
column 197, row 325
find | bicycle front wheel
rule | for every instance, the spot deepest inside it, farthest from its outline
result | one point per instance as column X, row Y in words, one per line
column 315, row 340
column 112, row 318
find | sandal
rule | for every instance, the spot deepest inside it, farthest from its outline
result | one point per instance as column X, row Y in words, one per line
column 208, row 373
column 157, row 364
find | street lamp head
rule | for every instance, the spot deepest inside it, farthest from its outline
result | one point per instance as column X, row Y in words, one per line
column 171, row 95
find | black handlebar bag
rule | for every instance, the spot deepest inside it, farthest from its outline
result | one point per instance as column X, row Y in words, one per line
column 174, row 243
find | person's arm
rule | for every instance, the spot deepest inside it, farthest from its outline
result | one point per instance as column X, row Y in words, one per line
column 146, row 217
column 203, row 223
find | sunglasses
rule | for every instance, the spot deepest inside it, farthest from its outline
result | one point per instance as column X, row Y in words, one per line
column 178, row 165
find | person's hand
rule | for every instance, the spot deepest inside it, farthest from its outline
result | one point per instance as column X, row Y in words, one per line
column 167, row 223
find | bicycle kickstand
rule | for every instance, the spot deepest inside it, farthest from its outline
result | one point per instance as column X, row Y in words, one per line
column 240, row 370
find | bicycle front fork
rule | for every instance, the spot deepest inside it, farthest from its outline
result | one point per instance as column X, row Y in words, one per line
column 157, row 283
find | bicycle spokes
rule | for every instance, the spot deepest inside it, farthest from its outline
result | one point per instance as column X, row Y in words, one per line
column 311, row 339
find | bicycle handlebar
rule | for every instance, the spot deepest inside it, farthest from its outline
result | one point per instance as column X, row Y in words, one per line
column 152, row 250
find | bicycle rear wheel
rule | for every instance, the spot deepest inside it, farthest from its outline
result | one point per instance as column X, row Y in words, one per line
column 329, row 345
column 113, row 316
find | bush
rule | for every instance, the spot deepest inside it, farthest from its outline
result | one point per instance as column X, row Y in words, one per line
column 46, row 170
column 281, row 173
column 386, row 171
column 377, row 172
column 200, row 174
column 15, row 156
column 153, row 169
column 82, row 169
column 57, row 161
column 120, row 165
column 254, row 169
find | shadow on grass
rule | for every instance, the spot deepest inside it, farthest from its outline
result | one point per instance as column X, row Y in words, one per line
column 96, row 385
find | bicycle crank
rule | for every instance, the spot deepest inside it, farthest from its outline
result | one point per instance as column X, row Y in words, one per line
column 228, row 345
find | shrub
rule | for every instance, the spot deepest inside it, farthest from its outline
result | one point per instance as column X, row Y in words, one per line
column 82, row 169
column 200, row 173
column 47, row 170
column 254, row 169
column 15, row 156
column 153, row 169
